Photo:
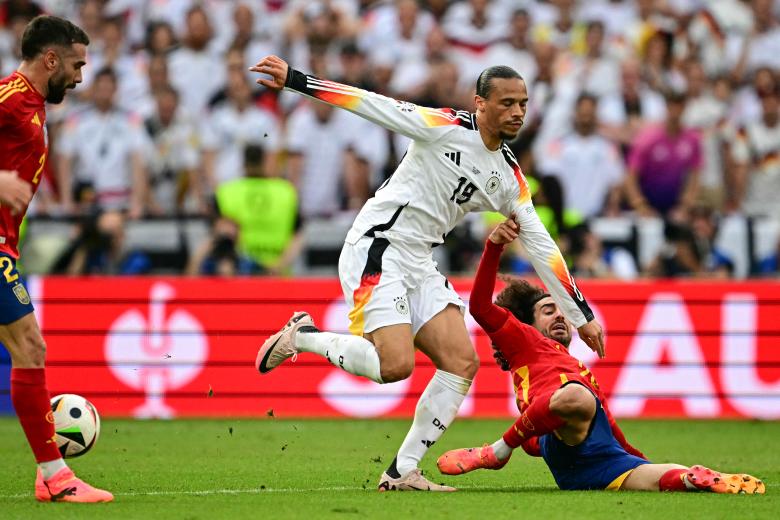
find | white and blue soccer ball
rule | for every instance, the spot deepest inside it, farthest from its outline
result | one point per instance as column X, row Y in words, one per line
column 76, row 424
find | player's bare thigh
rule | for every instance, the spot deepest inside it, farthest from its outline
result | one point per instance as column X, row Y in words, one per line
column 395, row 346
column 647, row 476
column 23, row 340
column 576, row 405
column 445, row 340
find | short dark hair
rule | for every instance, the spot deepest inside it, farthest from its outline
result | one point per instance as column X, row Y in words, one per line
column 586, row 96
column 485, row 79
column 46, row 30
column 519, row 297
column 678, row 97
column 106, row 71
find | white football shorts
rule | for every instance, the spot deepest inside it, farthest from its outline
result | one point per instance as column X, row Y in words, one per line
column 385, row 285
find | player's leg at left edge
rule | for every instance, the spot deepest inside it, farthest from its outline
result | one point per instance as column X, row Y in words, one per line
column 21, row 336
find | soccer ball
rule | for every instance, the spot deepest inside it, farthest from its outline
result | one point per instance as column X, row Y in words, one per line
column 76, row 424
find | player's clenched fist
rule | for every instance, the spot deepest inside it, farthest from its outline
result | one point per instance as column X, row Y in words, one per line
column 14, row 192
column 275, row 67
column 504, row 232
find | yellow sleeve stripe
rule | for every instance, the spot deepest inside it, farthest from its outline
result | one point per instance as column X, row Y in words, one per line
column 24, row 80
column 8, row 86
column 11, row 92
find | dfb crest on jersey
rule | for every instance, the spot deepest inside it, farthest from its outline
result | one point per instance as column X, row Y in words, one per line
column 492, row 185
column 405, row 106
column 21, row 294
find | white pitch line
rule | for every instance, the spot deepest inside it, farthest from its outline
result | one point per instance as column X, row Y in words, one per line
column 258, row 491
column 217, row 491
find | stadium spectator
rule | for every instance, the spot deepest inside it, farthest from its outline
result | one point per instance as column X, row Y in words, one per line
column 562, row 29
column 588, row 166
column 591, row 259
column 265, row 210
column 756, row 153
column 316, row 27
column 194, row 67
column 160, row 38
column 157, row 79
column 746, row 107
column 218, row 255
column 246, row 38
column 624, row 114
column 659, row 68
column 759, row 47
column 711, row 29
column 517, row 49
column 707, row 111
column 690, row 250
column 173, row 158
column 592, row 70
column 769, row 265
column 471, row 27
column 98, row 248
column 723, row 54
column 319, row 138
column 10, row 44
column 664, row 166
column 232, row 125
column 130, row 68
column 102, row 148
column 714, row 262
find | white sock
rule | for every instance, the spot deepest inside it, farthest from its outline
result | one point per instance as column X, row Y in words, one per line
column 356, row 355
column 436, row 409
column 501, row 449
column 51, row 467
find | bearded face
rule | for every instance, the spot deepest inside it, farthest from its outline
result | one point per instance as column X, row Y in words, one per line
column 58, row 84
column 68, row 72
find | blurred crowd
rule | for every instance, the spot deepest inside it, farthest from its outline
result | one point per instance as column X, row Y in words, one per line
column 663, row 109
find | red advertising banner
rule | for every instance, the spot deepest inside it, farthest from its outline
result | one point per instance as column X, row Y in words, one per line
column 166, row 347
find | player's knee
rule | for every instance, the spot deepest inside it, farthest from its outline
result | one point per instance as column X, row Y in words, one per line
column 470, row 365
column 31, row 352
column 396, row 370
column 573, row 402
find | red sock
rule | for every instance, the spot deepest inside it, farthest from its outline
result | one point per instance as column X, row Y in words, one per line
column 30, row 398
column 673, row 480
column 537, row 420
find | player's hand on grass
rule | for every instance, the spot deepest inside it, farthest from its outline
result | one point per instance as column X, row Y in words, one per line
column 276, row 68
column 593, row 336
column 14, row 192
column 504, row 232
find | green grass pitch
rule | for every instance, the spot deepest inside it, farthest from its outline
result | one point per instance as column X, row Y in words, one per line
column 275, row 468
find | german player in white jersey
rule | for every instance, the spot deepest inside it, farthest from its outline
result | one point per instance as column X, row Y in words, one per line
column 457, row 163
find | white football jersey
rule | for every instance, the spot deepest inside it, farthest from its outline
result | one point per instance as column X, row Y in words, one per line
column 447, row 172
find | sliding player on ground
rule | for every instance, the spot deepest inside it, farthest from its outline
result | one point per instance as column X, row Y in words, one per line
column 564, row 415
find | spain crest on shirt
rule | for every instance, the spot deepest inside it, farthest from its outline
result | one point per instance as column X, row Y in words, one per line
column 21, row 294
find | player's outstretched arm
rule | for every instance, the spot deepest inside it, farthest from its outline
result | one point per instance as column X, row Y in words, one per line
column 417, row 123
column 551, row 268
column 489, row 316
column 14, row 192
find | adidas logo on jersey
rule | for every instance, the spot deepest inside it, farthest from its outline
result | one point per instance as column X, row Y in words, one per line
column 454, row 157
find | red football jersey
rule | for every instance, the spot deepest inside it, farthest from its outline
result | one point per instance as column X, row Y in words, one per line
column 23, row 146
column 539, row 365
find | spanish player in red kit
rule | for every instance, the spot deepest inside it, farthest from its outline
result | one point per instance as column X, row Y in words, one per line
column 53, row 52
column 564, row 416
